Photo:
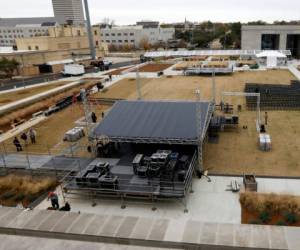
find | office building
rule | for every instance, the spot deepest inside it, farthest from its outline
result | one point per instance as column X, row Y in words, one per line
column 272, row 37
column 68, row 11
column 13, row 28
column 133, row 35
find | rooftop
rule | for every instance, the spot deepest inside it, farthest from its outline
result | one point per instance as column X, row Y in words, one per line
column 14, row 22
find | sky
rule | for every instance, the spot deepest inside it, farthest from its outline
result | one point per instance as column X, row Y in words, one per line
column 129, row 11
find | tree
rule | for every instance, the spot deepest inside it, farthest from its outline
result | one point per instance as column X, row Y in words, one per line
column 8, row 67
column 144, row 44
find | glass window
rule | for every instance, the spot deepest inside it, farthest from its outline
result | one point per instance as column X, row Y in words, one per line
column 132, row 34
column 36, row 47
column 29, row 47
column 113, row 34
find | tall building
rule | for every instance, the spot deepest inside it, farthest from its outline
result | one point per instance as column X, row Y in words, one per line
column 68, row 11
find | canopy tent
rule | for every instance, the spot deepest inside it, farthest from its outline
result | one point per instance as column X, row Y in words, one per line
column 163, row 122
column 189, row 53
column 272, row 57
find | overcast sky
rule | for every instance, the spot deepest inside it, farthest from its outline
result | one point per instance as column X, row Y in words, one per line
column 130, row 11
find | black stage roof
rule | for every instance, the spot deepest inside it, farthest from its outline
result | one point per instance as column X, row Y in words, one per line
column 155, row 122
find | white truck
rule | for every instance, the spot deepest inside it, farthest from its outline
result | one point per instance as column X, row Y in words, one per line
column 73, row 70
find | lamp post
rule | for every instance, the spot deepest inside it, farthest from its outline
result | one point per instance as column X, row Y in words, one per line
column 89, row 30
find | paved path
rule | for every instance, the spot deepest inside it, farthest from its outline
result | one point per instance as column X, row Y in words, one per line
column 294, row 71
column 141, row 231
column 44, row 162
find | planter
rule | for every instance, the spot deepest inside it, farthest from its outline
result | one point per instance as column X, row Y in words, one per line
column 250, row 183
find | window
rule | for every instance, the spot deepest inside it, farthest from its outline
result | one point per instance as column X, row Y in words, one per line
column 8, row 31
column 126, row 41
column 132, row 41
column 125, row 34
column 78, row 33
column 95, row 32
column 132, row 34
column 119, row 34
column 107, row 34
column 108, row 41
column 113, row 41
column 13, row 31
column 30, row 30
column 37, row 48
column 97, row 43
column 29, row 47
column 120, row 41
column 113, row 34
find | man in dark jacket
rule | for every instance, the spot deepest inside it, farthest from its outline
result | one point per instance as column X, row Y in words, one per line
column 17, row 144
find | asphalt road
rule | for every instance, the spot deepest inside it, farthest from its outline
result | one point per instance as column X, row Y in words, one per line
column 10, row 84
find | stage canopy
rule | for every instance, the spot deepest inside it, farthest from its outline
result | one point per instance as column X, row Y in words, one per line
column 156, row 122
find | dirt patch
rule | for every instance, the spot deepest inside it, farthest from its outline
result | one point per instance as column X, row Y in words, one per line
column 15, row 189
column 152, row 67
column 117, row 71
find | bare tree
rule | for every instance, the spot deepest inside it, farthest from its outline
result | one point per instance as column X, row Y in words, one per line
column 144, row 43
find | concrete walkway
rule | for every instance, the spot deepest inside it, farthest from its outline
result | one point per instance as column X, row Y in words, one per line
column 139, row 231
column 294, row 71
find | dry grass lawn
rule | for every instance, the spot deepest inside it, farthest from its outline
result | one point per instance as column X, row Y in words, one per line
column 50, row 132
column 183, row 87
column 22, row 94
column 237, row 151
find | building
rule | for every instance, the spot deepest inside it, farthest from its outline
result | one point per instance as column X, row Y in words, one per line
column 48, row 54
column 272, row 37
column 60, row 38
column 68, row 11
column 13, row 28
column 133, row 35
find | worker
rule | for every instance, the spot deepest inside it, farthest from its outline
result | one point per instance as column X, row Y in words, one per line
column 24, row 138
column 94, row 117
column 266, row 118
column 102, row 115
column 110, row 77
column 54, row 200
column 17, row 144
column 32, row 135
column 66, row 207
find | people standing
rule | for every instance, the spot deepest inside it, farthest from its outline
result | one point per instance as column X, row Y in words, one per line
column 24, row 137
column 266, row 118
column 110, row 78
column 32, row 135
column 94, row 117
column 17, row 144
column 54, row 200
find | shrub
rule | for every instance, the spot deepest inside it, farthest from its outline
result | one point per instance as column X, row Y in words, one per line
column 281, row 223
column 19, row 197
column 290, row 218
column 255, row 222
column 265, row 217
column 9, row 194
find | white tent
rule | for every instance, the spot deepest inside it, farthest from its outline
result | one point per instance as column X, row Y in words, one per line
column 272, row 56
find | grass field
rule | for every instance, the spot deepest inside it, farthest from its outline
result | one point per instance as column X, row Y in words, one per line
column 237, row 151
column 50, row 132
column 21, row 94
column 183, row 88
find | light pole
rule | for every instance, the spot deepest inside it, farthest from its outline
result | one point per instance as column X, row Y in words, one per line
column 89, row 30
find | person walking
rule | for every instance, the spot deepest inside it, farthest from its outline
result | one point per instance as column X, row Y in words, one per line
column 54, row 200
column 24, row 138
column 266, row 118
column 32, row 135
column 17, row 144
column 94, row 117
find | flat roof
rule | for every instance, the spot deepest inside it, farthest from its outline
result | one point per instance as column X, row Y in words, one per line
column 162, row 122
column 14, row 22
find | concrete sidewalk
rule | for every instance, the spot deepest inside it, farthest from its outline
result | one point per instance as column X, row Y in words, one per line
column 139, row 231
